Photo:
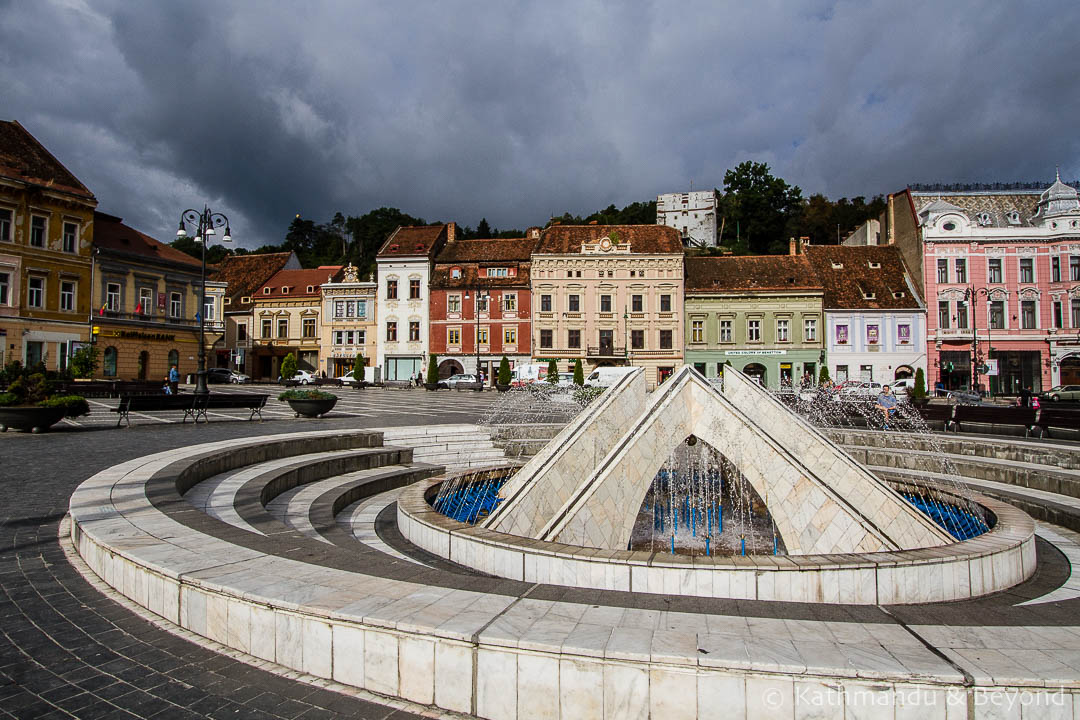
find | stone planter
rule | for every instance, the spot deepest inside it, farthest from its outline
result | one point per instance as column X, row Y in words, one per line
column 502, row 388
column 312, row 408
column 431, row 386
column 33, row 419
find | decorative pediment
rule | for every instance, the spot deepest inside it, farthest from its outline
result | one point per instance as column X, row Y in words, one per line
column 998, row 294
column 1074, row 291
column 953, row 294
column 1029, row 293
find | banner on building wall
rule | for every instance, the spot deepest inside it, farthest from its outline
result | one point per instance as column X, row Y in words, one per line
column 841, row 334
column 992, row 366
column 903, row 334
column 755, row 352
column 872, row 334
column 161, row 301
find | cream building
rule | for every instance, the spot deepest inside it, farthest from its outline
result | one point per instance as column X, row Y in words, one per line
column 287, row 311
column 348, row 322
column 609, row 295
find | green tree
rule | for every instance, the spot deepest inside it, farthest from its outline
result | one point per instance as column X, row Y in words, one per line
column 764, row 209
column 215, row 253
column 483, row 230
column 553, row 371
column 823, row 376
column 432, row 370
column 85, row 361
column 359, row 363
column 918, row 391
column 579, row 373
column 504, row 371
column 368, row 232
column 288, row 367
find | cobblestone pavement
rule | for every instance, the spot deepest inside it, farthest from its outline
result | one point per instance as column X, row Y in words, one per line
column 66, row 650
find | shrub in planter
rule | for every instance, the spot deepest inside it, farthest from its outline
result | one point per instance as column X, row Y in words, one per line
column 553, row 372
column 432, row 373
column 579, row 373
column 309, row 403
column 288, row 367
column 29, row 404
column 502, row 382
column 918, row 390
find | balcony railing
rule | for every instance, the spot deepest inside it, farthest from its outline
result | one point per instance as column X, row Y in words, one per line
column 159, row 320
column 605, row 351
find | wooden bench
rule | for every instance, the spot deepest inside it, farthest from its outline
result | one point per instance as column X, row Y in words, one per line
column 1058, row 422
column 193, row 406
column 938, row 417
column 1004, row 420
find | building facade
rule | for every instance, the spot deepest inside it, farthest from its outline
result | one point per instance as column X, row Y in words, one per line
column 692, row 214
column 242, row 276
column 1002, row 284
column 146, row 295
column 46, row 241
column 348, row 322
column 288, row 314
column 760, row 314
column 609, row 295
column 403, row 304
column 481, row 305
column 875, row 320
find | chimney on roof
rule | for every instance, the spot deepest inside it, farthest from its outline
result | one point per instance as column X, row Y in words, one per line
column 534, row 233
column 451, row 232
column 791, row 246
column 594, row 222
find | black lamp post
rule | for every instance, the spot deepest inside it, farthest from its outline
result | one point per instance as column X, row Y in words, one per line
column 206, row 222
column 480, row 295
column 972, row 294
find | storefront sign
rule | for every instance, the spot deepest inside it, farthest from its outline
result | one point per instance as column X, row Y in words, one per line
column 137, row 335
column 992, row 366
column 755, row 352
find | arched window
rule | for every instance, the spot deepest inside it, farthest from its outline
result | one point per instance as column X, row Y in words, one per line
column 108, row 364
column 174, row 358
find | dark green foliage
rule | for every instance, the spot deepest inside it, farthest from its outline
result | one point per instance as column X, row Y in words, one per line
column 504, row 371
column 823, row 376
column 358, row 367
column 638, row 213
column 288, row 366
column 585, row 395
column 306, row 395
column 579, row 373
column 11, row 372
column 30, row 389
column 7, row 399
column 828, row 222
column 73, row 405
column 762, row 210
column 918, row 390
column 553, row 371
column 432, row 370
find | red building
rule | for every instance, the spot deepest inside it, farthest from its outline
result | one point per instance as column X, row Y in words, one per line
column 480, row 305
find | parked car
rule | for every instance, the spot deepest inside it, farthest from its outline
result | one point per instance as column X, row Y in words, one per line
column 860, row 390
column 465, row 379
column 304, row 377
column 903, row 387
column 565, row 380
column 1062, row 392
column 607, row 376
column 225, row 375
column 347, row 379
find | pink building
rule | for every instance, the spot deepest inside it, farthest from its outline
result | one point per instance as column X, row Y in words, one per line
column 1001, row 273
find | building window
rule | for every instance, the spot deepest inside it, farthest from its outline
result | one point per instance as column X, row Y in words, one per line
column 1027, row 314
column 391, row 289
column 241, row 332
column 1074, row 269
column 665, row 303
column 605, row 303
column 414, row 289
column 725, row 331
column 573, row 303
column 308, row 328
column 1059, row 316
column 266, row 327
column 753, row 330
column 391, row 332
column 961, row 315
column 637, row 303
column 867, row 373
column 545, row 339
column 1055, row 269
column 1027, row 270
column 146, row 301
column 510, row 336
column 209, row 309
column 903, row 334
column 961, row 270
column 782, row 330
column 37, row 231
column 414, row 331
column 5, row 225
column 35, row 292
column 175, row 305
column 573, row 339
column 5, row 288
column 545, row 303
column 453, row 303
column 497, row 272
column 943, row 315
column 108, row 362
column 453, row 336
column 67, row 295
column 665, row 339
column 943, row 270
column 482, row 336
column 283, row 327
column 810, row 330
column 1076, row 313
column 71, row 234
column 697, row 331
column 997, row 315
column 509, row 302
column 637, row 339
column 993, row 270
column 455, row 273
column 872, row 335
column 112, row 297
column 841, row 334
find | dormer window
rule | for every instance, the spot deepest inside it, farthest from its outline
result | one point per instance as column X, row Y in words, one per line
column 868, row 295
column 226, row 301
column 245, row 299
column 311, row 288
column 898, row 294
column 455, row 273
column 284, row 289
column 838, row 266
column 266, row 291
column 394, row 247
column 948, row 226
column 1013, row 217
column 984, row 218
column 874, row 265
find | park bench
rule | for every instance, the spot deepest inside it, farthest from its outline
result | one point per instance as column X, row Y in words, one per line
column 1058, row 422
column 193, row 406
column 996, row 419
column 937, row 417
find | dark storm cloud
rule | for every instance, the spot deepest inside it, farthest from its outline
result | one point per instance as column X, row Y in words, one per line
column 518, row 110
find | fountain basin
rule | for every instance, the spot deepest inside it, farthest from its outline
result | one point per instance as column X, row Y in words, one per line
column 996, row 560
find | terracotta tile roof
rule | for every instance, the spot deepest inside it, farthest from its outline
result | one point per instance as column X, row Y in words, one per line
column 413, row 240
column 246, row 273
column 441, row 279
column 24, row 159
column 297, row 281
column 114, row 237
column 733, row 273
column 849, row 287
column 493, row 251
column 646, row 239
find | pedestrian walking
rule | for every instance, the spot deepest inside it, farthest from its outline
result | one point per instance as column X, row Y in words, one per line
column 174, row 380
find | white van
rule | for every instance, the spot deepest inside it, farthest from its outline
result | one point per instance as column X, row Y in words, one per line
column 607, row 376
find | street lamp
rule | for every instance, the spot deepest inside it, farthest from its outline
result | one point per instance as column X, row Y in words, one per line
column 206, row 222
column 485, row 296
column 972, row 294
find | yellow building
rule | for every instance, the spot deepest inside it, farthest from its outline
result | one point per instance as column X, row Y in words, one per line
column 348, row 323
column 146, row 297
column 46, row 232
column 287, row 315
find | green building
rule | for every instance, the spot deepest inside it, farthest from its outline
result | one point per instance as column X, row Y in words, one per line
column 761, row 314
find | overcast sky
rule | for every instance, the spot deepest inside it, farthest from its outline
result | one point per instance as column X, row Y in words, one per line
column 519, row 110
